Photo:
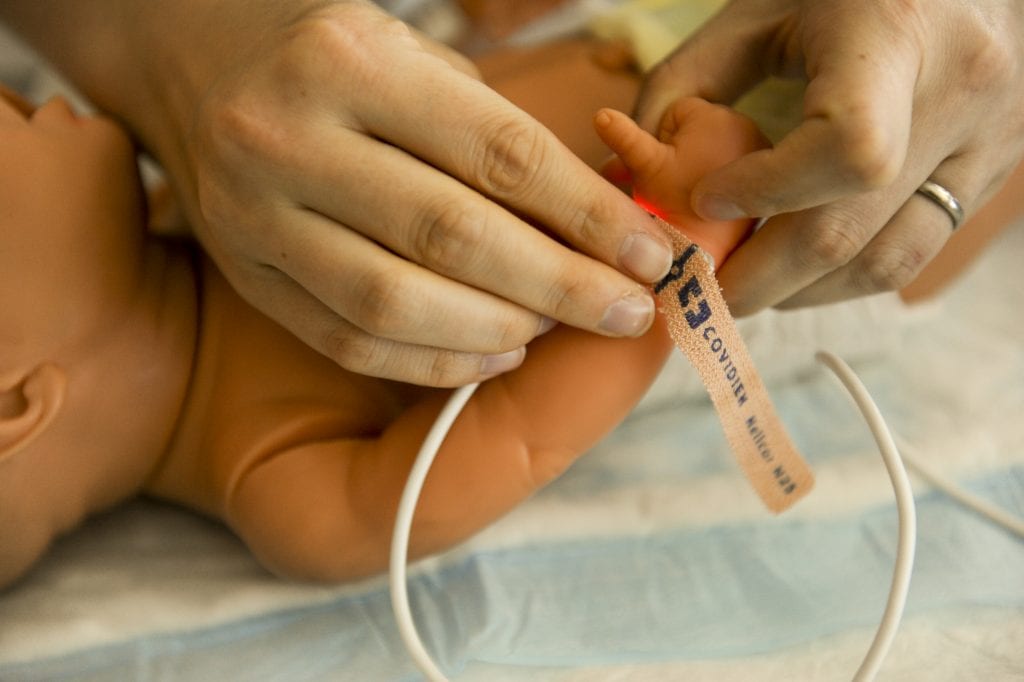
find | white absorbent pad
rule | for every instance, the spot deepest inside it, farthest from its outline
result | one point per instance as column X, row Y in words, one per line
column 650, row 559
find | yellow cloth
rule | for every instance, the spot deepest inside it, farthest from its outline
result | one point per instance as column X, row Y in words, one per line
column 654, row 28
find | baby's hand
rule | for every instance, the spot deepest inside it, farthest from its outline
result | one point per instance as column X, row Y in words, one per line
column 695, row 137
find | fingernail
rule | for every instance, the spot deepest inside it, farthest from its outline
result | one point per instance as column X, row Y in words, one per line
column 502, row 362
column 546, row 325
column 645, row 257
column 715, row 207
column 629, row 317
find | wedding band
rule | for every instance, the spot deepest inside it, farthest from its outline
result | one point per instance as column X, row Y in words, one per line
column 944, row 199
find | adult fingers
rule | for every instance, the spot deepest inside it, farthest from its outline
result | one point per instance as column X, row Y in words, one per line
column 359, row 351
column 466, row 130
column 455, row 59
column 433, row 220
column 351, row 119
column 390, row 297
column 876, row 241
column 909, row 240
column 851, row 139
column 719, row 62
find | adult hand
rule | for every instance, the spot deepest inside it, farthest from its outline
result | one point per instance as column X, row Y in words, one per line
column 357, row 183
column 898, row 93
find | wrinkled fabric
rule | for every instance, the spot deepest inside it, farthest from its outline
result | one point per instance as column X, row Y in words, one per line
column 651, row 555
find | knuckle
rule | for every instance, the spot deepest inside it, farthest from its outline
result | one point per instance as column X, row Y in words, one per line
column 221, row 214
column 449, row 368
column 990, row 61
column 237, row 132
column 830, row 246
column 515, row 332
column 507, row 332
column 869, row 156
column 513, row 152
column 588, row 225
column 214, row 204
column 893, row 268
column 382, row 305
column 340, row 46
column 452, row 233
column 352, row 350
column 346, row 38
column 465, row 65
column 234, row 218
column 563, row 298
column 233, row 128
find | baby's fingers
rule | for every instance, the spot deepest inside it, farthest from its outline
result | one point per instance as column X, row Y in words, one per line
column 636, row 148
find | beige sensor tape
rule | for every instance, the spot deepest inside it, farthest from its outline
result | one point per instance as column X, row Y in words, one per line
column 702, row 327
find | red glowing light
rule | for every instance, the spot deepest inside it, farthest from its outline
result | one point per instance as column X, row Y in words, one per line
column 647, row 206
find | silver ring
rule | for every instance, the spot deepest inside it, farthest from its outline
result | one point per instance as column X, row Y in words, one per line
column 944, row 199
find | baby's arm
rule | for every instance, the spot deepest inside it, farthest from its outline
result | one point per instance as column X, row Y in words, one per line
column 325, row 510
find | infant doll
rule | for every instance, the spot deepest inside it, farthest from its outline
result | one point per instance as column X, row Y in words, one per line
column 129, row 366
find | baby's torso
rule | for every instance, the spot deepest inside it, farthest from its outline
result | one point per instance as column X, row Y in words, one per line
column 256, row 391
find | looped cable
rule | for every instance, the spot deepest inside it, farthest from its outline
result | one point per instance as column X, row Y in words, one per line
column 883, row 437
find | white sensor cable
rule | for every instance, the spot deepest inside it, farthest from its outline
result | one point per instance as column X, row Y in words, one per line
column 897, row 475
column 403, row 526
column 906, row 512
column 992, row 512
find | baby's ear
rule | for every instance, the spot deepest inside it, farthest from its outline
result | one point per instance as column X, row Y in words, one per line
column 28, row 403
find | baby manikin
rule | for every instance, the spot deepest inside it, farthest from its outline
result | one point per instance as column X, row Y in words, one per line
column 129, row 366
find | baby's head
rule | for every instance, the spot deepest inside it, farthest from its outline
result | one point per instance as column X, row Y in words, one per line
column 66, row 180
column 80, row 325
